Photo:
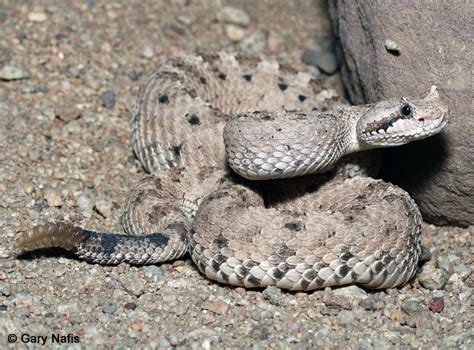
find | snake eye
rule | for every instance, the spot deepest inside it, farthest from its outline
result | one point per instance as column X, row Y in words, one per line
column 406, row 110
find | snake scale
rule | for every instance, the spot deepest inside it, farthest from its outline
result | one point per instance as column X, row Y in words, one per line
column 205, row 126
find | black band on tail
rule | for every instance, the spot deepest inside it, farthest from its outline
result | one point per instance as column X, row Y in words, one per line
column 103, row 248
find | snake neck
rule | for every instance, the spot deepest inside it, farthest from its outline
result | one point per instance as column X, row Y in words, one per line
column 349, row 116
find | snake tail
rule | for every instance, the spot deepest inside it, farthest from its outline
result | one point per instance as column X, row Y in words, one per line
column 104, row 248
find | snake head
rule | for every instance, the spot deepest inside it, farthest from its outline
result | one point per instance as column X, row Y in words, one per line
column 399, row 121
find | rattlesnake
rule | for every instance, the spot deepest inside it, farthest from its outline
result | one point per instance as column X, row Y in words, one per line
column 303, row 233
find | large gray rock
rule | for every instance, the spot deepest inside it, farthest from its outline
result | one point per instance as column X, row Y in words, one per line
column 436, row 47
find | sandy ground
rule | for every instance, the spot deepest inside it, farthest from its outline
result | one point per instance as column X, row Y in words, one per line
column 65, row 156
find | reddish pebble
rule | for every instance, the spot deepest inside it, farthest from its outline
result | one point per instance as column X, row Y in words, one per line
column 273, row 43
column 122, row 268
column 218, row 307
column 470, row 281
column 294, row 326
column 436, row 304
column 208, row 318
column 239, row 290
column 137, row 326
column 167, row 268
column 178, row 263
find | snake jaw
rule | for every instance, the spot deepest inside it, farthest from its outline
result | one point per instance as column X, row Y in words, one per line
column 388, row 123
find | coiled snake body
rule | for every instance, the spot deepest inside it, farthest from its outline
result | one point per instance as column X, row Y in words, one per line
column 301, row 233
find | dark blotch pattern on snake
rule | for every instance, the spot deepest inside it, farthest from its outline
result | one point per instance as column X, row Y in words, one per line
column 198, row 117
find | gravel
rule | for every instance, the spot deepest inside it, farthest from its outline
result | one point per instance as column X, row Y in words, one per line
column 14, row 71
column 148, row 52
column 436, row 304
column 37, row 16
column 234, row 33
column 433, row 278
column 104, row 207
column 53, row 198
column 66, row 156
column 233, row 15
column 108, row 99
column 411, row 307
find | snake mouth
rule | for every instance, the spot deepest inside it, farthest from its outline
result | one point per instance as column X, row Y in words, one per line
column 399, row 130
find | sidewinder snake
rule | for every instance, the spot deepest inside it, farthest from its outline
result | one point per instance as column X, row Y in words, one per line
column 198, row 117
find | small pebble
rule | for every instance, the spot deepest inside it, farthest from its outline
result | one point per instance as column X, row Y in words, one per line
column 134, row 75
column 208, row 318
column 454, row 259
column 5, row 291
column 234, row 33
column 431, row 277
column 346, row 316
column 53, row 198
column 164, row 343
column 66, row 109
column 353, row 293
column 253, row 42
column 462, row 270
column 371, row 303
column 234, row 16
column 136, row 326
column 3, row 307
column 148, row 51
column 470, row 281
column 3, row 275
column 108, row 99
column 68, row 308
column 322, row 333
column 273, row 42
column 133, row 283
column 130, row 306
column 466, row 297
column 392, row 47
column 37, row 17
column 445, row 263
column 24, row 300
column 60, row 271
column 436, row 304
column 184, row 20
column 14, row 71
column 48, row 112
column 328, row 311
column 454, row 341
column 4, row 253
column 259, row 332
column 104, row 207
column 218, row 307
column 109, row 307
column 153, row 273
column 411, row 307
column 84, row 202
column 274, row 295
column 264, row 315
column 181, row 283
column 338, row 302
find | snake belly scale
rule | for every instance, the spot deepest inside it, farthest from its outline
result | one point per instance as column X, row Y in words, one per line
column 205, row 126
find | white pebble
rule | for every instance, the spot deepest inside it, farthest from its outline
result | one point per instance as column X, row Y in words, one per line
column 234, row 32
column 37, row 17
column 233, row 15
column 392, row 46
